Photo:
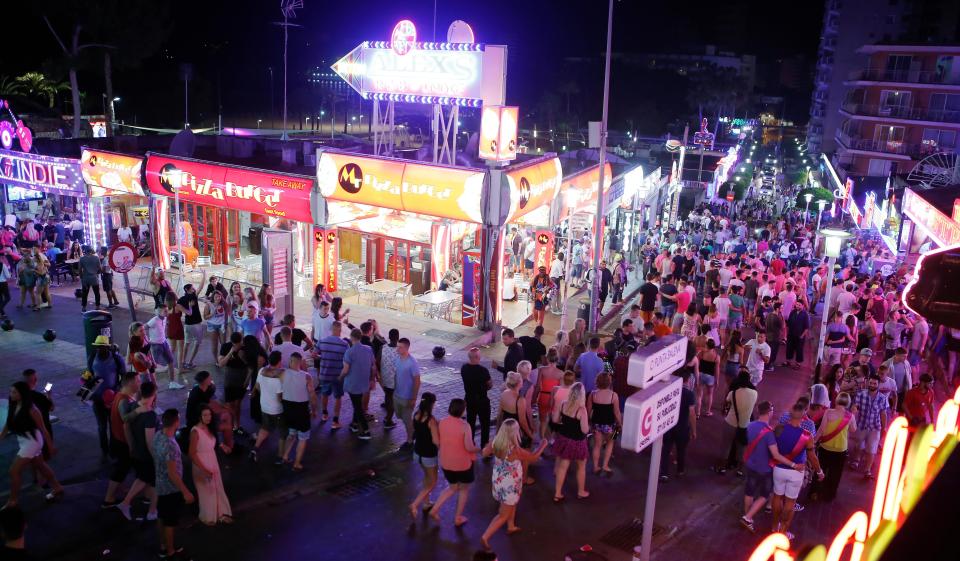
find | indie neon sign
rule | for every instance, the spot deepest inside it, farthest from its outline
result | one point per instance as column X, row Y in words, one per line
column 904, row 474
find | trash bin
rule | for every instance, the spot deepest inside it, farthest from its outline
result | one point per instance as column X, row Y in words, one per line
column 96, row 323
column 583, row 310
column 255, row 241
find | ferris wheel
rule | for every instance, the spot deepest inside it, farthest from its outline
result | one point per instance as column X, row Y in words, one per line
column 936, row 170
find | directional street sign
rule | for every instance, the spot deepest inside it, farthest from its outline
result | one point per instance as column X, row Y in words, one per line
column 651, row 412
column 464, row 74
column 656, row 361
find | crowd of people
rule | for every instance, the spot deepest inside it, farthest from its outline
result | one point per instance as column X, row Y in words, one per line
column 738, row 283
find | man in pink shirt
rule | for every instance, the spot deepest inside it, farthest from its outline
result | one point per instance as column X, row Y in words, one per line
column 683, row 297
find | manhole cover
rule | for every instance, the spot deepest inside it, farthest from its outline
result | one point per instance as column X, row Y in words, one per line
column 445, row 335
column 628, row 535
column 362, row 486
column 439, row 375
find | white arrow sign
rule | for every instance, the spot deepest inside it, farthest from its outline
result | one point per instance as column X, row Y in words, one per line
column 465, row 74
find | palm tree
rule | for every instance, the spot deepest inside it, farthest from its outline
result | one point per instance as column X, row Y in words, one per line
column 35, row 84
column 10, row 86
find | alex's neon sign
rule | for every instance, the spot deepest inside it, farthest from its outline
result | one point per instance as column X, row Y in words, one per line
column 905, row 471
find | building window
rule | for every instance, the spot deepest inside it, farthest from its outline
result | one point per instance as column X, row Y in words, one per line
column 878, row 167
column 944, row 107
column 939, row 139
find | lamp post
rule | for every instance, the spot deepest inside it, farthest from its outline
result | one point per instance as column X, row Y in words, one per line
column 806, row 211
column 832, row 241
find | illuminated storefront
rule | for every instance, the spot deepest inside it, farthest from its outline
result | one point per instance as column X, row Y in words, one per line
column 116, row 193
column 221, row 204
column 29, row 178
column 933, row 214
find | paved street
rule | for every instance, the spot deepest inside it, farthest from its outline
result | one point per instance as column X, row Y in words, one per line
column 351, row 490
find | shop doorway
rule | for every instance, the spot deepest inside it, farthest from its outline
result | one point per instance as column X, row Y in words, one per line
column 217, row 231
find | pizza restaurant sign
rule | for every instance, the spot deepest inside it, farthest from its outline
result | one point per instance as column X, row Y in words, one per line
column 909, row 463
column 235, row 188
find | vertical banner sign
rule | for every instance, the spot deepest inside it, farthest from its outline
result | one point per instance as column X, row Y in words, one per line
column 161, row 232
column 281, row 284
column 325, row 257
column 319, row 257
column 544, row 253
column 277, row 267
column 470, row 292
column 440, row 261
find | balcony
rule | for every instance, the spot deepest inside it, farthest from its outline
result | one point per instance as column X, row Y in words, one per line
column 904, row 76
column 894, row 147
column 899, row 112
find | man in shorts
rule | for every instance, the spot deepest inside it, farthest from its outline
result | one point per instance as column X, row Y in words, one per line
column 758, row 474
column 143, row 428
column 172, row 494
column 299, row 408
column 156, row 330
column 269, row 387
column 329, row 365
column 796, row 446
column 872, row 410
column 189, row 306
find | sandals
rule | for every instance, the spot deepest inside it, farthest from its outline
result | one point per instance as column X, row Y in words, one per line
column 559, row 499
column 225, row 519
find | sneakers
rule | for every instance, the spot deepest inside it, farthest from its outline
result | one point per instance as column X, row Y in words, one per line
column 175, row 386
column 336, row 424
column 364, row 435
column 124, row 510
column 354, row 428
column 324, row 416
column 748, row 524
column 252, row 455
column 152, row 515
column 797, row 507
column 108, row 504
column 389, row 424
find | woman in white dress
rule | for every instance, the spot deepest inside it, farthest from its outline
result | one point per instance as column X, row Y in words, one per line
column 214, row 504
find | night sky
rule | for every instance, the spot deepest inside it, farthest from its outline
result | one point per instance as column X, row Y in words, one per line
column 539, row 35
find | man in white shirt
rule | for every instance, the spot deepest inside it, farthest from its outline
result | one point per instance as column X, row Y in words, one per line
column 846, row 299
column 725, row 274
column 759, row 354
column 322, row 320
column 787, row 299
column 125, row 234
column 557, row 270
column 287, row 347
column 156, row 332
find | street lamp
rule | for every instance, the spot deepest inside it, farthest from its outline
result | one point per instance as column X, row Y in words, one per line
column 833, row 240
column 807, row 197
column 258, row 122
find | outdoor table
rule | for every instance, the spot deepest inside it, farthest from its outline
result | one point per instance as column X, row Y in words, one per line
column 436, row 304
column 383, row 289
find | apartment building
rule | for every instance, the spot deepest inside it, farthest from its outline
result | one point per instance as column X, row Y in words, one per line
column 901, row 107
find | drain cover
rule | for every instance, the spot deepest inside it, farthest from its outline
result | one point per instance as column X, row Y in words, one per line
column 445, row 335
column 440, row 375
column 362, row 485
column 628, row 535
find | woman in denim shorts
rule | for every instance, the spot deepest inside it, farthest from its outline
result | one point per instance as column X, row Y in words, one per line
column 426, row 436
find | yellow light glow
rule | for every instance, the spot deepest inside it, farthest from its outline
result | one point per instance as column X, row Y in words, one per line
column 888, row 477
column 855, row 529
column 775, row 547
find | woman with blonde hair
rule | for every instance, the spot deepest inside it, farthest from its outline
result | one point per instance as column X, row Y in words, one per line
column 603, row 406
column 514, row 405
column 563, row 348
column 570, row 445
column 832, row 438
column 508, row 461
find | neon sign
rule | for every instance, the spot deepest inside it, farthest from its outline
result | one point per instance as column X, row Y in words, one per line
column 260, row 192
column 405, row 70
column 41, row 173
column 908, row 465
column 936, row 225
column 325, row 258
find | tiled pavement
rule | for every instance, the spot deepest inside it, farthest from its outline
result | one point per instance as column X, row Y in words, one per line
column 697, row 514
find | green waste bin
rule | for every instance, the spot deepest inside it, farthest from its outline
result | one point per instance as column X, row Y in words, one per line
column 96, row 323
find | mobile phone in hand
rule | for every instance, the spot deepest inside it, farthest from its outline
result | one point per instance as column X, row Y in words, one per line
column 48, row 387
